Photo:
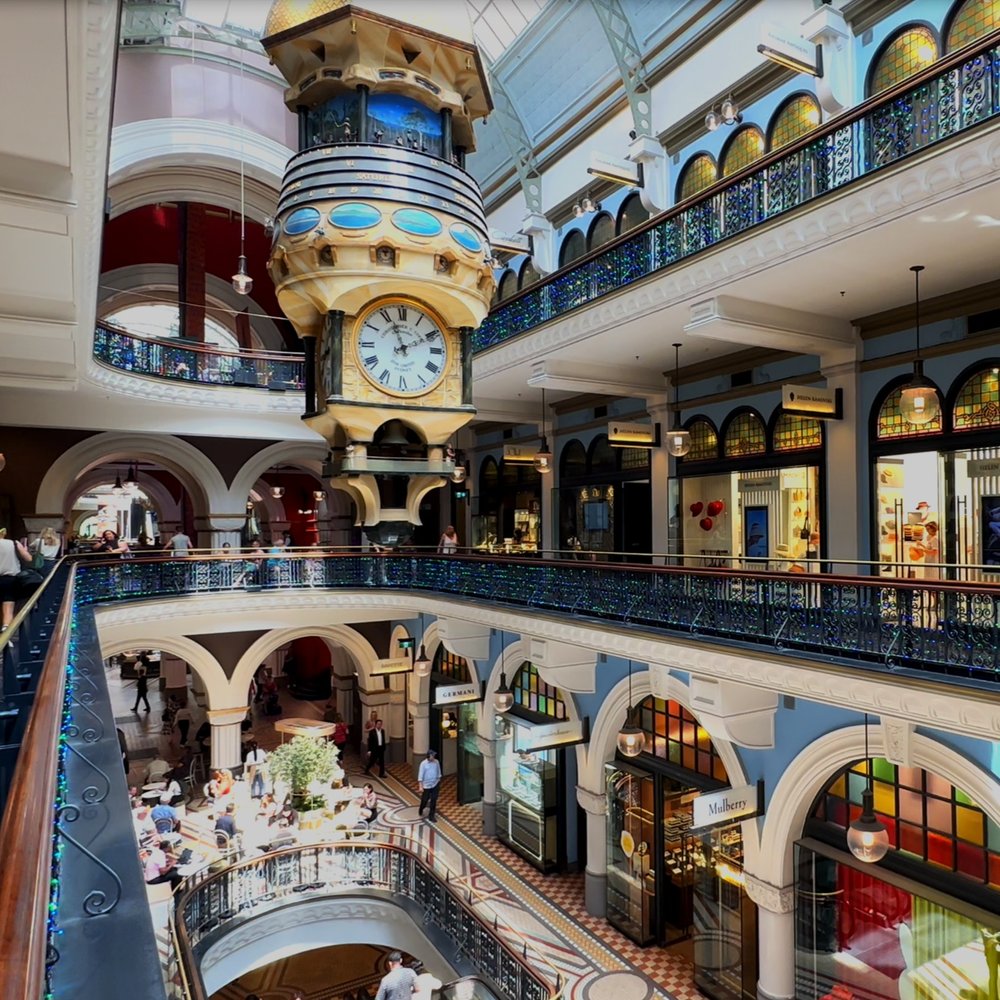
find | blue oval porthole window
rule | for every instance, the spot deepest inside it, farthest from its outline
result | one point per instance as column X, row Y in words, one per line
column 301, row 221
column 416, row 222
column 355, row 215
column 465, row 237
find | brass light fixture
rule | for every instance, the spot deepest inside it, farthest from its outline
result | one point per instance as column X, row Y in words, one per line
column 678, row 439
column 918, row 402
column 867, row 837
column 543, row 457
column 503, row 697
column 242, row 282
column 631, row 739
column 422, row 664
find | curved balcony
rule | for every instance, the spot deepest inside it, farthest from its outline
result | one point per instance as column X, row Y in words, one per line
column 952, row 97
column 196, row 363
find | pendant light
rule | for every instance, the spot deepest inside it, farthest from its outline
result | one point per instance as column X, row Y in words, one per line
column 543, row 457
column 242, row 282
column 422, row 664
column 132, row 477
column 118, row 489
column 319, row 495
column 631, row 739
column 503, row 697
column 867, row 838
column 277, row 491
column 679, row 439
column 458, row 473
column 918, row 402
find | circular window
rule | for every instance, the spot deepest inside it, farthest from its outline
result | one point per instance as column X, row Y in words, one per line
column 355, row 215
column 301, row 221
column 416, row 222
column 465, row 237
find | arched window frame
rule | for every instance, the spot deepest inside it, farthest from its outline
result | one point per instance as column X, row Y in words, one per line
column 883, row 49
column 507, row 285
column 733, row 141
column 782, row 108
column 451, row 665
column 520, row 684
column 684, row 741
column 690, row 423
column 693, row 161
column 879, row 443
column 572, row 446
column 772, row 429
column 623, row 209
column 989, row 366
column 600, row 441
column 574, row 238
column 486, row 489
column 957, row 9
column 727, row 425
column 592, row 230
column 523, row 273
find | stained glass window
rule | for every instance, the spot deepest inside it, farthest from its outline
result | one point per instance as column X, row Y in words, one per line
column 532, row 693
column 602, row 456
column 795, row 433
column 602, row 230
column 892, row 425
column 631, row 214
column 573, row 460
column 573, row 247
column 507, row 286
column 978, row 403
column 489, row 478
column 704, row 441
column 634, row 458
column 700, row 173
column 673, row 733
column 745, row 436
column 447, row 664
column 528, row 275
column 926, row 817
column 972, row 20
column 794, row 119
column 744, row 147
column 912, row 50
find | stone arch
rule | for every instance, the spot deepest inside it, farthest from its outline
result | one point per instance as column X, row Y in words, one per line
column 119, row 638
column 337, row 636
column 305, row 455
column 192, row 467
column 809, row 773
column 169, row 508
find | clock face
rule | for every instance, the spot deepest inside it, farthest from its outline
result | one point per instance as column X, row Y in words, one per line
column 401, row 349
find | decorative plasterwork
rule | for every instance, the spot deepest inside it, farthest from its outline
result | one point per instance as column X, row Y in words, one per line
column 769, row 897
column 569, row 668
column 897, row 735
column 596, row 803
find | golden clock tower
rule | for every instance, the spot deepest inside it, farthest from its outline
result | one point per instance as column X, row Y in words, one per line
column 380, row 256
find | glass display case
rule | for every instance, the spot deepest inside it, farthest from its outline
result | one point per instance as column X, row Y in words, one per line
column 527, row 802
column 631, row 874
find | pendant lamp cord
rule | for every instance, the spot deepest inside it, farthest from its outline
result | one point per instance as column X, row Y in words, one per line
column 916, row 269
column 242, row 167
column 868, row 760
column 543, row 411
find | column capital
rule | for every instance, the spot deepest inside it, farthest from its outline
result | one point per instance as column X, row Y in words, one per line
column 418, row 710
column 770, row 897
column 227, row 716
column 487, row 748
column 594, row 803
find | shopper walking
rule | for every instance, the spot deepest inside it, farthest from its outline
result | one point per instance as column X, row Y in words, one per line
column 15, row 582
column 429, row 782
column 398, row 982
column 141, row 684
column 378, row 738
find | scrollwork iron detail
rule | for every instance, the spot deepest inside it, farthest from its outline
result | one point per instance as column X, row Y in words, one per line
column 97, row 902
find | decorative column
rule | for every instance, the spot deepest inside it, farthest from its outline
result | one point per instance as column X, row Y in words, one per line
column 595, row 805
column 775, row 938
column 660, row 412
column 213, row 530
column 549, row 539
column 226, row 729
column 488, row 749
column 420, row 714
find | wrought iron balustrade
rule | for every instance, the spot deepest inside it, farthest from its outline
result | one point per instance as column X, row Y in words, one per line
column 951, row 97
column 946, row 628
column 204, row 365
column 209, row 904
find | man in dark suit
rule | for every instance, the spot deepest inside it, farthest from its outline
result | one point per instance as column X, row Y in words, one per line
column 377, row 740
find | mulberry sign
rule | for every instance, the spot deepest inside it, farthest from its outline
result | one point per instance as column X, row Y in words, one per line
column 728, row 805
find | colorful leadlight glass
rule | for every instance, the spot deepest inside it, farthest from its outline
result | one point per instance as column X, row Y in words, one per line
column 635, row 458
column 795, row 118
column 744, row 147
column 528, row 275
column 745, row 436
column 978, row 404
column 700, row 173
column 673, row 733
column 892, row 425
column 972, row 20
column 926, row 817
column 602, row 230
column 631, row 214
column 447, row 664
column 912, row 50
column 704, row 441
column 796, row 433
column 574, row 245
column 532, row 693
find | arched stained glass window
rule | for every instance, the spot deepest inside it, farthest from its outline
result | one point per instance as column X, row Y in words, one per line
column 700, row 173
column 602, row 456
column 533, row 694
column 744, row 147
column 573, row 247
column 978, row 404
column 634, row 458
column 448, row 664
column 673, row 734
column 507, row 286
column 926, row 816
column 528, row 275
column 973, row 19
column 892, row 425
column 704, row 441
column 796, row 433
column 794, row 119
column 912, row 50
column 631, row 214
column 745, row 436
column 573, row 460
column 489, row 479
column 602, row 230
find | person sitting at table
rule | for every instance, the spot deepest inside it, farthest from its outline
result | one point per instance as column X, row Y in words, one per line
column 156, row 770
column 268, row 807
column 160, row 865
column 173, row 793
column 165, row 819
column 226, row 822
column 368, row 803
column 145, row 829
column 221, row 785
column 286, row 816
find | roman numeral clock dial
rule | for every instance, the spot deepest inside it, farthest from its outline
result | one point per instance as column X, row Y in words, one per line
column 401, row 348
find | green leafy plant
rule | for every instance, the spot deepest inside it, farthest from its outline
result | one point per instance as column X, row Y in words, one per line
column 303, row 763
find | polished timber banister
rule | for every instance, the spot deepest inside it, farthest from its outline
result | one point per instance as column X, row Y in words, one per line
column 205, row 365
column 949, row 98
column 210, row 904
column 946, row 628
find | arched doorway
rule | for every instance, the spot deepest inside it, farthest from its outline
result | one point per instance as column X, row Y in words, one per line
column 454, row 724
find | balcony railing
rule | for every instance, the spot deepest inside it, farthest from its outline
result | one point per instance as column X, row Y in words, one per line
column 210, row 905
column 203, row 365
column 952, row 96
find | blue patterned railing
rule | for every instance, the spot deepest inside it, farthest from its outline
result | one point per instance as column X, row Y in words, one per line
column 944, row 628
column 206, row 365
column 951, row 97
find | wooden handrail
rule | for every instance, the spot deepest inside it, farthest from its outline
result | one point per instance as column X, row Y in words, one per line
column 26, row 831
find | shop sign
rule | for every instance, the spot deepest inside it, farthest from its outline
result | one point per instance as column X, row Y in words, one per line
column 458, row 694
column 728, row 805
column 392, row 665
column 518, row 454
column 622, row 434
column 763, row 484
column 813, row 401
column 509, row 242
column 550, row 735
column 983, row 468
column 784, row 44
column 610, row 168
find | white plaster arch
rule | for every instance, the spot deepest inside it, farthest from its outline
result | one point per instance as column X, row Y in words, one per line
column 815, row 766
column 305, row 455
column 192, row 467
column 119, row 638
column 338, row 636
column 167, row 506
column 421, row 686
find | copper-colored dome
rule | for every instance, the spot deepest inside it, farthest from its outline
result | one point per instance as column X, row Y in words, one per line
column 285, row 14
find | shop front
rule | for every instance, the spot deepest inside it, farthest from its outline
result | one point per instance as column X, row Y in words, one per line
column 759, row 502
column 921, row 924
column 454, row 723
column 532, row 743
column 936, row 486
column 506, row 516
column 675, row 856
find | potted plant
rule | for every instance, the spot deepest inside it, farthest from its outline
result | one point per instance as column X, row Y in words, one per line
column 306, row 765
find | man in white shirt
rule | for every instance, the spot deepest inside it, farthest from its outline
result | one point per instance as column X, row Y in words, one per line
column 256, row 760
column 429, row 782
